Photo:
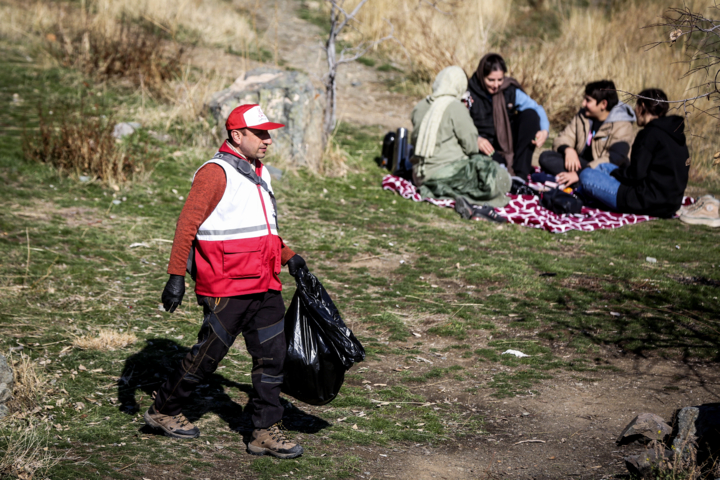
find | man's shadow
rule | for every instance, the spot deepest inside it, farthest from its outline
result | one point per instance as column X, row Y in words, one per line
column 146, row 370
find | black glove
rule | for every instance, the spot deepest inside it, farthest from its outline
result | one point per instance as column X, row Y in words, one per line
column 295, row 264
column 173, row 294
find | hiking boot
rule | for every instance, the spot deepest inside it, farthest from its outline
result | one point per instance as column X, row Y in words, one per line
column 463, row 208
column 487, row 213
column 176, row 426
column 273, row 442
column 706, row 211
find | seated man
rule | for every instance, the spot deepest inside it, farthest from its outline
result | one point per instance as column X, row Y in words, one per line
column 601, row 132
column 446, row 162
column 654, row 182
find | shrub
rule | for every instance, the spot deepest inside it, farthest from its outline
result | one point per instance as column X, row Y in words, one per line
column 81, row 144
column 118, row 51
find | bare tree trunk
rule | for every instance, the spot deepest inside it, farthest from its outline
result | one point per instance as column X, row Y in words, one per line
column 330, row 79
column 339, row 19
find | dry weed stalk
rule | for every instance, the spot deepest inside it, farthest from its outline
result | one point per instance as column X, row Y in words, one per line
column 105, row 340
column 334, row 159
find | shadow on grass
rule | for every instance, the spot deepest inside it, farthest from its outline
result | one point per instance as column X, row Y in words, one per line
column 146, row 370
column 644, row 322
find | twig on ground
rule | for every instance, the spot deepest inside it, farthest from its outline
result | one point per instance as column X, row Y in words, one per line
column 529, row 441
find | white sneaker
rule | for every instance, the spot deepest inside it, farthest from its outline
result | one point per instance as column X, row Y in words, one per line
column 706, row 211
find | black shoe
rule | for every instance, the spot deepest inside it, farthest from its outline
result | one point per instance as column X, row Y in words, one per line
column 463, row 208
column 487, row 213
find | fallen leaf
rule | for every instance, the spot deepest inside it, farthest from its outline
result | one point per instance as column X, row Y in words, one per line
column 355, row 427
column 97, row 370
column 82, row 368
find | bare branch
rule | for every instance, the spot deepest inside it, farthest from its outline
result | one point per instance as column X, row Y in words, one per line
column 685, row 100
column 433, row 5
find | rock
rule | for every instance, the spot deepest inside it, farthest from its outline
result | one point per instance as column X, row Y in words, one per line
column 125, row 129
column 6, row 385
column 286, row 97
column 643, row 465
column 698, row 433
column 646, row 426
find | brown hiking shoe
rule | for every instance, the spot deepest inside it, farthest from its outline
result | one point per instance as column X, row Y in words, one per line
column 273, row 442
column 176, row 426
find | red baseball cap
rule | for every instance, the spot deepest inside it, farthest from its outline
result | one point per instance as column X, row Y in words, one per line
column 250, row 116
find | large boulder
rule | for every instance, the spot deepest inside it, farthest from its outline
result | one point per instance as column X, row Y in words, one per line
column 698, row 433
column 6, row 385
column 286, row 97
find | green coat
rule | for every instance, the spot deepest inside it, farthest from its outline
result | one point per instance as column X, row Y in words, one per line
column 456, row 168
column 456, row 140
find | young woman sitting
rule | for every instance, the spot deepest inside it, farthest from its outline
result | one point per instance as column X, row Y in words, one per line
column 510, row 124
column 654, row 182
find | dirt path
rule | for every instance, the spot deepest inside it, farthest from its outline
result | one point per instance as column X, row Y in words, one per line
column 363, row 96
column 576, row 423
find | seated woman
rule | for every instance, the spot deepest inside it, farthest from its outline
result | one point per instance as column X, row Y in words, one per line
column 446, row 162
column 510, row 124
column 654, row 182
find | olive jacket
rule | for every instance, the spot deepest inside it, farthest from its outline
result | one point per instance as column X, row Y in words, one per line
column 456, row 140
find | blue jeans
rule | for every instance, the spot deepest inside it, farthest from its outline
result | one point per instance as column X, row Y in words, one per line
column 598, row 184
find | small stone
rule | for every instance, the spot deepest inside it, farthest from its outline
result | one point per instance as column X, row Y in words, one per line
column 651, row 259
column 643, row 465
column 646, row 426
column 125, row 129
column 84, row 178
column 6, row 385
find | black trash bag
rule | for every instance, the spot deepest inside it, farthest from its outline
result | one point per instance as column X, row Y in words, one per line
column 560, row 202
column 320, row 348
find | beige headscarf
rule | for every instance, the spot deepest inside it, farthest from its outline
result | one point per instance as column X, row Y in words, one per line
column 449, row 86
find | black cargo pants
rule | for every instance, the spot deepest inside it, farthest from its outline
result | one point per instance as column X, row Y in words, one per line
column 260, row 318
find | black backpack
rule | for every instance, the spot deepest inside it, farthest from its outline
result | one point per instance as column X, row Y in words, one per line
column 396, row 153
column 560, row 202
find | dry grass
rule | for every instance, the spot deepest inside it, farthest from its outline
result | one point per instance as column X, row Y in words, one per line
column 105, row 340
column 77, row 143
column 333, row 162
column 27, row 389
column 205, row 22
column 26, row 453
column 117, row 51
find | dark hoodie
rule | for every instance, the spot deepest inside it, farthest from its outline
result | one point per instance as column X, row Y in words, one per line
column 654, row 182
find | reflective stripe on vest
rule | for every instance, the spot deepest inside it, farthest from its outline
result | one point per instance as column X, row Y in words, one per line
column 238, row 248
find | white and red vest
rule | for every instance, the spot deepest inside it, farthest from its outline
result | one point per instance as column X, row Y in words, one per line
column 237, row 246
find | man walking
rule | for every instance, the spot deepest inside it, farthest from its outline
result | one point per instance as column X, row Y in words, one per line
column 229, row 222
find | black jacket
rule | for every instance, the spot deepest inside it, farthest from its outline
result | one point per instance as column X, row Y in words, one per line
column 481, row 109
column 654, row 182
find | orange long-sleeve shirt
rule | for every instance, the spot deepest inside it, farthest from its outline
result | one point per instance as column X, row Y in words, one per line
column 206, row 192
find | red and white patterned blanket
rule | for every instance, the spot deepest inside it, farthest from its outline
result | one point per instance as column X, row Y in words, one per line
column 526, row 210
